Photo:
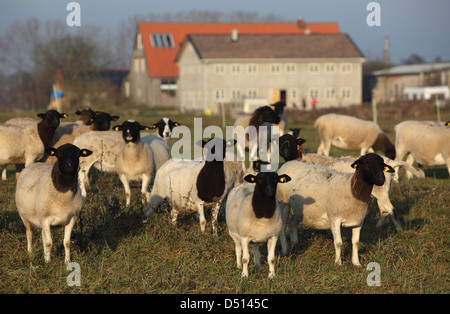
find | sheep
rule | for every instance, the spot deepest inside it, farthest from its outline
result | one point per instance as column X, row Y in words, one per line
column 278, row 107
column 253, row 216
column 260, row 116
column 426, row 143
column 350, row 133
column 165, row 127
column 49, row 196
column 189, row 186
column 93, row 121
column 343, row 164
column 135, row 158
column 25, row 144
column 326, row 199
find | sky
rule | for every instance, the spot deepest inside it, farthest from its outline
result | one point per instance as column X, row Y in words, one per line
column 413, row 26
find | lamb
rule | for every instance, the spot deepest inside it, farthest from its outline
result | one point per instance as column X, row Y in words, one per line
column 426, row 143
column 49, row 196
column 135, row 158
column 165, row 127
column 350, row 133
column 187, row 185
column 326, row 199
column 25, row 144
column 260, row 116
column 253, row 216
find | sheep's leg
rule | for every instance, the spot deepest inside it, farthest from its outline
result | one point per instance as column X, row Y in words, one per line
column 324, row 148
column 410, row 160
column 284, row 208
column 238, row 249
column 201, row 213
column 126, row 185
column 215, row 214
column 271, row 243
column 355, row 241
column 29, row 234
column 3, row 169
column 245, row 256
column 67, row 234
column 174, row 216
column 46, row 240
column 144, row 189
column 293, row 225
column 255, row 249
column 336, row 231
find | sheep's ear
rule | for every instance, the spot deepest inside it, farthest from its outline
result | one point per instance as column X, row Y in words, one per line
column 78, row 112
column 355, row 164
column 447, row 123
column 250, row 178
column 50, row 151
column 301, row 141
column 388, row 168
column 85, row 152
column 41, row 115
column 231, row 143
column 176, row 124
column 114, row 118
column 63, row 115
column 284, row 178
column 117, row 128
column 145, row 128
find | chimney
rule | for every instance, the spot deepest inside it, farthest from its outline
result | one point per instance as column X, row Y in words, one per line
column 386, row 52
column 234, row 35
column 301, row 22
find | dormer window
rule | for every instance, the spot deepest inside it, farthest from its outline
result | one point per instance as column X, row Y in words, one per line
column 162, row 40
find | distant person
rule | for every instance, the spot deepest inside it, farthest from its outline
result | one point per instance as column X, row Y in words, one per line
column 314, row 103
column 304, row 104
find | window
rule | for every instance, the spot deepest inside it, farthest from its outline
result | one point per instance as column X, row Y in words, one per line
column 313, row 68
column 219, row 94
column 275, row 68
column 236, row 93
column 162, row 40
column 252, row 92
column 346, row 68
column 252, row 68
column 346, row 92
column 219, row 69
column 330, row 93
column 290, row 68
column 330, row 68
column 294, row 93
column 235, row 68
column 314, row 93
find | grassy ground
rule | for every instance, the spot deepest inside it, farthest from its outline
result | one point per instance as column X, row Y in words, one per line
column 120, row 253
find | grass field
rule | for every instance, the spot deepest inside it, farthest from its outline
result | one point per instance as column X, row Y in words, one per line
column 120, row 253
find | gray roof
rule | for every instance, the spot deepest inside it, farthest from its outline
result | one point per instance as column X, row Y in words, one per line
column 413, row 69
column 265, row 46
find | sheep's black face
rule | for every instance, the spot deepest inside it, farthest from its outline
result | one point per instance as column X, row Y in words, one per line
column 266, row 182
column 290, row 147
column 165, row 127
column 68, row 157
column 87, row 116
column 371, row 168
column 52, row 118
column 256, row 165
column 279, row 108
column 102, row 121
column 131, row 131
column 268, row 115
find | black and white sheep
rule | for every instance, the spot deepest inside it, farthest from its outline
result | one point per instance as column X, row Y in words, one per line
column 323, row 198
column 25, row 144
column 135, row 158
column 350, row 133
column 189, row 186
column 48, row 195
column 253, row 216
column 164, row 127
column 426, row 143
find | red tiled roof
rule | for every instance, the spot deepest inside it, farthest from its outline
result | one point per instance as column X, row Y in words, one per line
column 160, row 61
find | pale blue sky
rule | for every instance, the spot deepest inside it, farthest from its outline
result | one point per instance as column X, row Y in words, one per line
column 413, row 26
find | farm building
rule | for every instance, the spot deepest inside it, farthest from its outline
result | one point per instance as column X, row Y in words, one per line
column 227, row 69
column 392, row 83
column 154, row 74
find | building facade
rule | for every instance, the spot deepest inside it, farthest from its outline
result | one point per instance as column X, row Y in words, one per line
column 220, row 69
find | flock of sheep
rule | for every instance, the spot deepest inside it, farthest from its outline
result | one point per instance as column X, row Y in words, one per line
column 320, row 191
